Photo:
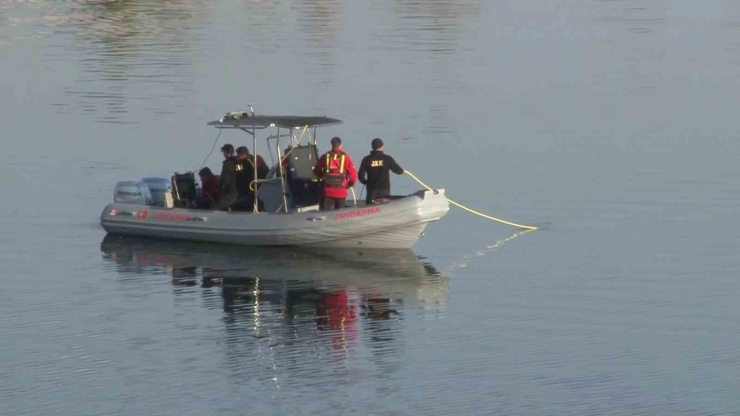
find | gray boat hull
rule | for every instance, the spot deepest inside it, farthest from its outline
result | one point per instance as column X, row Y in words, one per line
column 395, row 224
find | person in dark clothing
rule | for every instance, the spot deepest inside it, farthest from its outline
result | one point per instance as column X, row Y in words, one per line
column 210, row 187
column 245, row 177
column 227, row 190
column 246, row 159
column 337, row 172
column 376, row 167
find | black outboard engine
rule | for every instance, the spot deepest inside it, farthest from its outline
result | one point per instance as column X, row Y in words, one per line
column 184, row 189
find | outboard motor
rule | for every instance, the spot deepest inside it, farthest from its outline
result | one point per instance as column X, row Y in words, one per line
column 132, row 192
column 159, row 188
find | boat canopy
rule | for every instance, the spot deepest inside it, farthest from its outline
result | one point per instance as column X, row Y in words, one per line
column 248, row 122
column 244, row 120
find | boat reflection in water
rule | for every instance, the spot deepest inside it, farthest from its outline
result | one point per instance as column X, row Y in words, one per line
column 286, row 300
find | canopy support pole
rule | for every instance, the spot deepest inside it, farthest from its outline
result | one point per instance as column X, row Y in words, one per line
column 282, row 175
column 256, row 183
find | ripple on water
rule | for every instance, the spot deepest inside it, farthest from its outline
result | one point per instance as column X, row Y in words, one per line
column 125, row 51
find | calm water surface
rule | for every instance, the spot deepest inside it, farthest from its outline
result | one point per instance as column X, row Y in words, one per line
column 611, row 124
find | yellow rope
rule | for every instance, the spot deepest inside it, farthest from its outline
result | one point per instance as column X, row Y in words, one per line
column 354, row 196
column 528, row 227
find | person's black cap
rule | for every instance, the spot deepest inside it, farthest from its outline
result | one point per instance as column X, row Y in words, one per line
column 227, row 147
column 336, row 142
column 242, row 149
column 205, row 171
column 376, row 144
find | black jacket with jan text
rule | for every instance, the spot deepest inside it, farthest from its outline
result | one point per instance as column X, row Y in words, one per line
column 376, row 167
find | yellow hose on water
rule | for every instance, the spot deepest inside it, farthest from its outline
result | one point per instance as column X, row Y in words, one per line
column 528, row 227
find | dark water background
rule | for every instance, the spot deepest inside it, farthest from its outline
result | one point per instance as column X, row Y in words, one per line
column 612, row 124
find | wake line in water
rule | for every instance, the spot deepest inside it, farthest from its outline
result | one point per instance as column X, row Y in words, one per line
column 464, row 260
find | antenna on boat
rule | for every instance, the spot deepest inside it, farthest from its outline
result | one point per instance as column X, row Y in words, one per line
column 251, row 109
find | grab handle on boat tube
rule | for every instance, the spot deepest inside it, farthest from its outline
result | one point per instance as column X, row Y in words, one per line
column 527, row 227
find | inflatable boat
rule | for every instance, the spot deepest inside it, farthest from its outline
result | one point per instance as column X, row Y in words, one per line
column 288, row 210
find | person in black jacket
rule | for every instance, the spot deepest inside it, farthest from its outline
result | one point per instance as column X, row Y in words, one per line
column 245, row 177
column 227, row 191
column 376, row 167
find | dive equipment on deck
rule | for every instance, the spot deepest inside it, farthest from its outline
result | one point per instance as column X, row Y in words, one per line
column 184, row 189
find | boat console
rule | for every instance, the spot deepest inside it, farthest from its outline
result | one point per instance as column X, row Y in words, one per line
column 302, row 183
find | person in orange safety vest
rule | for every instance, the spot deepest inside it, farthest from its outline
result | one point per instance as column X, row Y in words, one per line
column 337, row 171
